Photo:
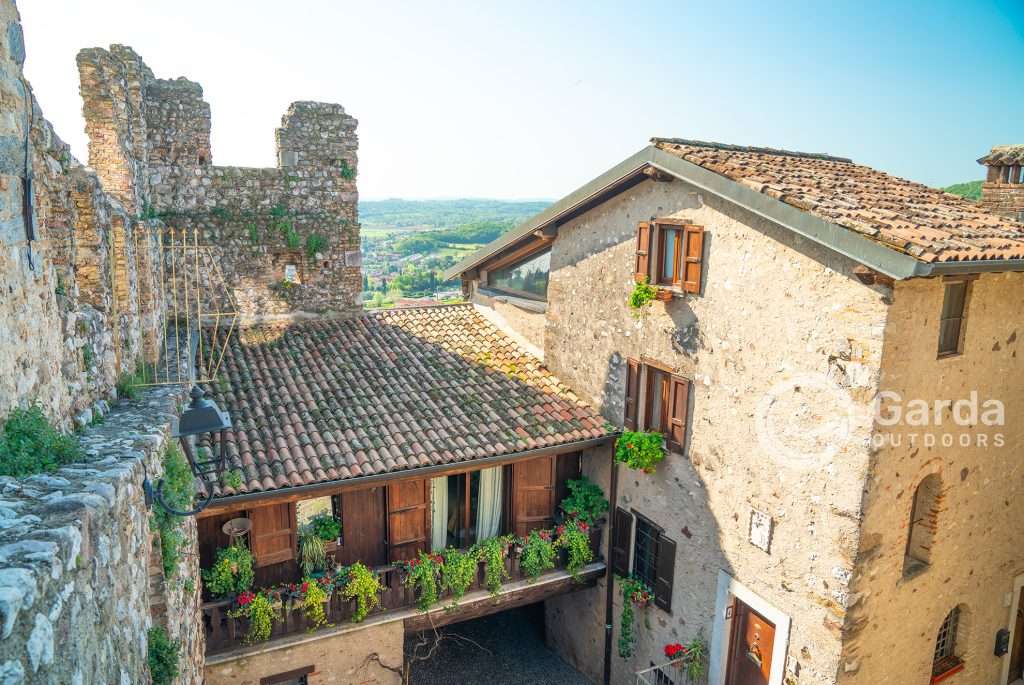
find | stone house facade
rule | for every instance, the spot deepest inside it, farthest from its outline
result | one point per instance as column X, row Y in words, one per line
column 795, row 289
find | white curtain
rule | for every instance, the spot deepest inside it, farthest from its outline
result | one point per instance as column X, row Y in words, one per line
column 488, row 511
column 439, row 517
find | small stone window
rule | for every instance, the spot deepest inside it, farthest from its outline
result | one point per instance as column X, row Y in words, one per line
column 924, row 513
column 299, row 676
column 947, row 659
column 951, row 321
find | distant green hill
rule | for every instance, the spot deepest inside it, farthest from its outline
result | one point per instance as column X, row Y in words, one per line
column 445, row 213
column 970, row 190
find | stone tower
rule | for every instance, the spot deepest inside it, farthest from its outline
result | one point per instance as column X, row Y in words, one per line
column 1003, row 191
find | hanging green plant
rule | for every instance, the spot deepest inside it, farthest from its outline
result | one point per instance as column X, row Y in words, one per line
column 640, row 450
column 258, row 609
column 312, row 554
column 493, row 552
column 572, row 536
column 634, row 594
column 314, row 595
column 457, row 572
column 363, row 586
column 326, row 527
column 422, row 574
column 643, row 294
column 696, row 658
column 538, row 554
column 231, row 573
column 585, row 502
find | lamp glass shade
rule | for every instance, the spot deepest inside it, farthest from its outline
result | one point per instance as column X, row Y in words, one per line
column 201, row 416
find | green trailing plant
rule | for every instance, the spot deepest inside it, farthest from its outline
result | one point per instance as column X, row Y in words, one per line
column 457, row 573
column 254, row 234
column 642, row 296
column 364, row 586
column 163, row 655
column 88, row 355
column 291, row 238
column 538, row 554
column 696, row 658
column 278, row 211
column 326, row 527
column 220, row 213
column 60, row 288
column 312, row 554
column 313, row 601
column 127, row 384
column 179, row 493
column 572, row 537
column 492, row 552
column 640, row 450
column 634, row 594
column 422, row 574
column 231, row 573
column 315, row 243
column 261, row 614
column 586, row 501
column 30, row 444
column 347, row 171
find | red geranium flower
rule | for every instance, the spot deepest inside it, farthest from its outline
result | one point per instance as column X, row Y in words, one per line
column 245, row 598
column 674, row 650
column 305, row 587
column 583, row 526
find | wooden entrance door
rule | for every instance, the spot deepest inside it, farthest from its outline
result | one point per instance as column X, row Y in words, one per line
column 750, row 647
column 364, row 527
column 408, row 518
column 533, row 494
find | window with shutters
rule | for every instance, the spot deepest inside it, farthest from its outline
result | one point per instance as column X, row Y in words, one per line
column 951, row 320
column 641, row 549
column 670, row 254
column 657, row 400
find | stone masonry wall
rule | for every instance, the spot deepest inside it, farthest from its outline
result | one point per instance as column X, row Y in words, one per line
column 976, row 554
column 773, row 307
column 1006, row 199
column 151, row 138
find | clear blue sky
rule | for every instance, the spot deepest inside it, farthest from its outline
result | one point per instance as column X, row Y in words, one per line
column 532, row 99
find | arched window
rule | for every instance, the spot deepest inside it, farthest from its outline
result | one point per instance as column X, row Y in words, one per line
column 923, row 523
column 948, row 645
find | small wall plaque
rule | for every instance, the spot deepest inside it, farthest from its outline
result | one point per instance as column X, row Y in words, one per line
column 291, row 273
column 761, row 530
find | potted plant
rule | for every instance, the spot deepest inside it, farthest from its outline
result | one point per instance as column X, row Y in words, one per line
column 327, row 528
column 634, row 594
column 538, row 554
column 586, row 501
column 258, row 609
column 423, row 575
column 232, row 572
column 574, row 539
column 643, row 294
column 364, row 586
column 312, row 554
column 640, row 450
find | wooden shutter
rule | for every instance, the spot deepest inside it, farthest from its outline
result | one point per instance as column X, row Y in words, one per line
column 665, row 570
column 678, row 401
column 273, row 533
column 632, row 394
column 693, row 254
column 622, row 538
column 643, row 251
column 533, row 494
column 408, row 518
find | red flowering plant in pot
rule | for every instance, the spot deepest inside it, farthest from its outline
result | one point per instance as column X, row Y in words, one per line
column 423, row 575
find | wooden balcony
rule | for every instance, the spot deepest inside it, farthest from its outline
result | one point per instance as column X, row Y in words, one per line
column 225, row 633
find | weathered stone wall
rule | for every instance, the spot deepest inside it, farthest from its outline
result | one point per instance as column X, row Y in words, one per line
column 1006, row 199
column 978, row 549
column 74, row 316
column 151, row 138
column 773, row 306
column 350, row 655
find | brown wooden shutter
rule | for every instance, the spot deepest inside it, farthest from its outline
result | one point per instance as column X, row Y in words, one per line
column 273, row 533
column 533, row 494
column 643, row 251
column 664, row 574
column 632, row 394
column 408, row 518
column 622, row 538
column 678, row 401
column 693, row 257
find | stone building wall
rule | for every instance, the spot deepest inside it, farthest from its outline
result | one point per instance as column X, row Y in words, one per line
column 1005, row 199
column 773, row 307
column 151, row 138
column 976, row 555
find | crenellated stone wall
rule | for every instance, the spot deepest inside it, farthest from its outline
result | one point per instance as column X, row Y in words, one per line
column 286, row 239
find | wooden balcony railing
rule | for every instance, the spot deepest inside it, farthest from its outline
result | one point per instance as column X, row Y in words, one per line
column 225, row 632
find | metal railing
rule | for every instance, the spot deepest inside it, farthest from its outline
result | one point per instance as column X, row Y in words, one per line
column 673, row 672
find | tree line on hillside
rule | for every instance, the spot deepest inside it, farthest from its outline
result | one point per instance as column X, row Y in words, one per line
column 443, row 213
column 476, row 233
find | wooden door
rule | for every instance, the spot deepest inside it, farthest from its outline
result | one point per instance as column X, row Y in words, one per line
column 750, row 652
column 363, row 527
column 408, row 518
column 273, row 533
column 1017, row 649
column 533, row 494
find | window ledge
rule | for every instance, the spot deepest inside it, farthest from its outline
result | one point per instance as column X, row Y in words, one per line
column 947, row 668
column 912, row 568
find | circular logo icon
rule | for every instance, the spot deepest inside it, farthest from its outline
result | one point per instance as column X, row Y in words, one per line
column 804, row 420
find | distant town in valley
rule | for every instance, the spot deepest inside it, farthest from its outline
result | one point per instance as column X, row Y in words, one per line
column 408, row 244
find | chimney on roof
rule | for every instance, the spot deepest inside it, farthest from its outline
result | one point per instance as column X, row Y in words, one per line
column 1003, row 190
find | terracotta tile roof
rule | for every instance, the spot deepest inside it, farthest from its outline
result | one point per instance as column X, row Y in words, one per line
column 926, row 223
column 387, row 391
column 1004, row 155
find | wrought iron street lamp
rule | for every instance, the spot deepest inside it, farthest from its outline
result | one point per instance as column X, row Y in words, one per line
column 202, row 416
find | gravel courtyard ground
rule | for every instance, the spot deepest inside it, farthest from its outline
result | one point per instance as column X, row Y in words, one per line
column 518, row 655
